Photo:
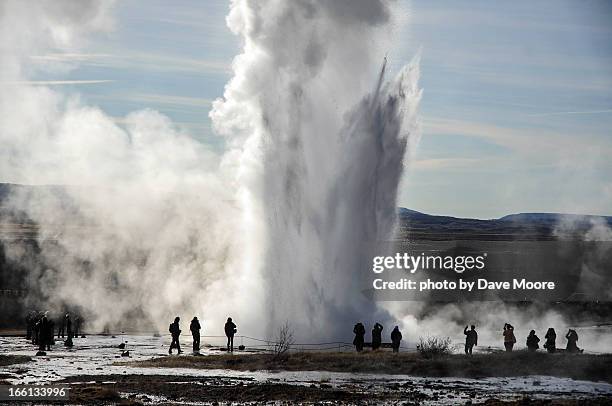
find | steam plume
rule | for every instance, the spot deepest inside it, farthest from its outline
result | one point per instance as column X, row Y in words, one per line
column 159, row 225
column 327, row 159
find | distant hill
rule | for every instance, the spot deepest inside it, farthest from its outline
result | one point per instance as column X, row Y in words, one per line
column 554, row 218
column 520, row 226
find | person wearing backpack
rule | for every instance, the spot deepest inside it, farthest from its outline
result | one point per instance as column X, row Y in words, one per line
column 175, row 331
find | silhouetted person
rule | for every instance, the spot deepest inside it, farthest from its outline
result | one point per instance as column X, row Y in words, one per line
column 377, row 336
column 175, row 331
column 396, row 338
column 43, row 333
column 532, row 341
column 230, row 330
column 61, row 326
column 572, row 339
column 471, row 338
column 358, row 341
column 30, row 322
column 36, row 331
column 509, row 338
column 195, row 333
column 68, row 342
column 36, row 327
column 551, row 338
column 78, row 321
column 50, row 333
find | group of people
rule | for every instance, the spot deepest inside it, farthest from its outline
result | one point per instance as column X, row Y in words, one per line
column 471, row 339
column 40, row 329
column 360, row 332
column 195, row 327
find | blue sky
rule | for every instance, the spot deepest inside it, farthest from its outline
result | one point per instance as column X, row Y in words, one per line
column 516, row 111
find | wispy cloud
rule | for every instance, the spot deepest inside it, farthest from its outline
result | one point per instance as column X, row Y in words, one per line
column 561, row 113
column 69, row 57
column 54, row 82
column 536, row 144
column 140, row 61
column 157, row 99
column 170, row 99
column 444, row 163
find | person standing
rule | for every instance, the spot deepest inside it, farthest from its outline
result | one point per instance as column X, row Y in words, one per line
column 50, row 333
column 551, row 339
column 195, row 333
column 230, row 330
column 78, row 321
column 532, row 341
column 471, row 339
column 30, row 322
column 61, row 326
column 396, row 338
column 359, row 331
column 68, row 342
column 377, row 336
column 509, row 338
column 572, row 340
column 43, row 333
column 175, row 331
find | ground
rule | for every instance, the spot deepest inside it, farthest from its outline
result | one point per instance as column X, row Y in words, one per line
column 500, row 364
column 96, row 373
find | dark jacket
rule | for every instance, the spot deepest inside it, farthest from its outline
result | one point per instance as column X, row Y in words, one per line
column 230, row 329
column 44, row 330
column 572, row 339
column 532, row 341
column 195, row 326
column 471, row 337
column 174, row 329
column 509, row 335
column 377, row 335
column 359, row 331
column 396, row 336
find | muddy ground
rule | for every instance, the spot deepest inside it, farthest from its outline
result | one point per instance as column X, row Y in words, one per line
column 96, row 373
column 518, row 363
column 213, row 390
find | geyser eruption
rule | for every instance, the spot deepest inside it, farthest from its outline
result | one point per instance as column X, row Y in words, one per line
column 156, row 224
column 326, row 159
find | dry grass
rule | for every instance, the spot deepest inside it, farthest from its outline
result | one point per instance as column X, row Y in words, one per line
column 518, row 363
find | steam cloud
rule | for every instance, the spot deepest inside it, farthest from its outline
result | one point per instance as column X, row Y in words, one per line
column 153, row 227
column 327, row 161
column 159, row 225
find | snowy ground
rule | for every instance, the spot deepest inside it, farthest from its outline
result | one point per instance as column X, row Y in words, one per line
column 94, row 355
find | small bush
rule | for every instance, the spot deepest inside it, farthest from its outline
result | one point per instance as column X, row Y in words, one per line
column 432, row 347
column 284, row 341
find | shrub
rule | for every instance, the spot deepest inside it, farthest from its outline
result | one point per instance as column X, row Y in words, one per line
column 432, row 347
column 284, row 341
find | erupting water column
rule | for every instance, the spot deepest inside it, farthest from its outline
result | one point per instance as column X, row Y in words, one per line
column 319, row 162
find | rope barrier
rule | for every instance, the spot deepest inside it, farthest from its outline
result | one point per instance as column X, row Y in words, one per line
column 333, row 345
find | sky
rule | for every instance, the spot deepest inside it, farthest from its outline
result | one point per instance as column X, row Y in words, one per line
column 517, row 96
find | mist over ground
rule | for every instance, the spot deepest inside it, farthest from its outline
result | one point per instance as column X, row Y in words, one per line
column 265, row 232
